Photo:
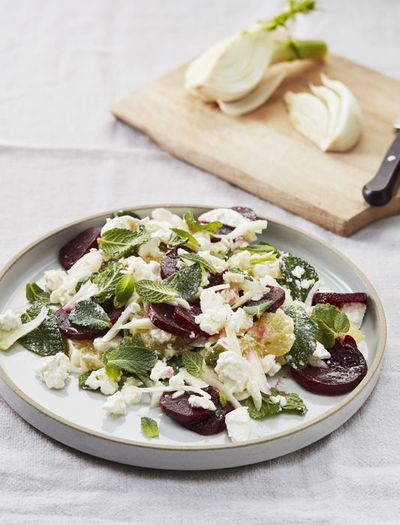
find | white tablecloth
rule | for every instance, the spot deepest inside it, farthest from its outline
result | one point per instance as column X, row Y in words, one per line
column 62, row 156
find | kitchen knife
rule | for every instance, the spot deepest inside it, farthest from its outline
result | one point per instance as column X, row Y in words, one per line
column 379, row 190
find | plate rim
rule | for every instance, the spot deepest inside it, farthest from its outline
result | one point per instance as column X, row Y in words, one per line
column 372, row 370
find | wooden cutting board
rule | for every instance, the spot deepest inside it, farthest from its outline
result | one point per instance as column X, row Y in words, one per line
column 261, row 153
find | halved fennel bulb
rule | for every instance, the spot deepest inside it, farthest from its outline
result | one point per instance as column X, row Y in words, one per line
column 256, row 98
column 330, row 117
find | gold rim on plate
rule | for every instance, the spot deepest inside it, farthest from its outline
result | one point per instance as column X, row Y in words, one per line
column 372, row 370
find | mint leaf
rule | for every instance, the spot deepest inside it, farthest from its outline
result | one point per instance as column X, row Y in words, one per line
column 124, row 290
column 269, row 408
column 200, row 260
column 222, row 398
column 212, row 355
column 181, row 238
column 305, row 331
column 46, row 339
column 195, row 226
column 260, row 247
column 35, row 294
column 186, row 281
column 258, row 309
column 299, row 287
column 122, row 213
column 193, row 362
column 294, row 403
column 90, row 315
column 331, row 323
column 120, row 242
column 131, row 356
column 149, row 427
column 106, row 280
column 82, row 381
column 155, row 292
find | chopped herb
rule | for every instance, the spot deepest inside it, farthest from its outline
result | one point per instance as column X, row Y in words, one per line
column 193, row 362
column 90, row 315
column 181, row 238
column 35, row 294
column 186, row 281
column 270, row 408
column 130, row 356
column 120, row 242
column 155, row 292
column 257, row 309
column 124, row 290
column 196, row 226
column 331, row 323
column 149, row 427
column 305, row 331
column 212, row 355
column 193, row 257
column 46, row 339
column 299, row 287
column 107, row 280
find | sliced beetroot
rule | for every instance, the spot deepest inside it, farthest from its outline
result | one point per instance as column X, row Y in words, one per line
column 214, row 279
column 176, row 320
column 339, row 299
column 112, row 312
column 199, row 420
column 78, row 247
column 169, row 263
column 75, row 332
column 246, row 212
column 275, row 294
column 345, row 370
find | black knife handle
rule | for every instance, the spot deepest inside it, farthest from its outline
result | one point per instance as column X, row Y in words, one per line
column 378, row 191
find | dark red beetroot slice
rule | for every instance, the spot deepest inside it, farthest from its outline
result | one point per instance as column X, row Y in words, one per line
column 79, row 332
column 346, row 368
column 169, row 263
column 185, row 318
column 275, row 294
column 163, row 316
column 199, row 420
column 78, row 247
column 214, row 279
column 75, row 332
column 112, row 312
column 338, row 299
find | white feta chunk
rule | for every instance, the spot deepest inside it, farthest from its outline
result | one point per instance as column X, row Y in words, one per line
column 233, row 371
column 238, row 424
column 201, row 402
column 125, row 222
column 239, row 321
column 54, row 370
column 281, row 400
column 115, row 405
column 161, row 371
column 298, row 271
column 270, row 366
column 141, row 269
column 54, row 279
column 9, row 321
column 99, row 379
column 87, row 265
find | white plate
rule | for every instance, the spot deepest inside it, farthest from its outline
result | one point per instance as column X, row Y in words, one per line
column 75, row 417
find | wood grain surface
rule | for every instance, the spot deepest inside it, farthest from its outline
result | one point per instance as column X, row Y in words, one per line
column 261, row 152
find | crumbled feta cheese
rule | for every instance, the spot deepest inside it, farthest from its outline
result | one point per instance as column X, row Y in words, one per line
column 219, row 264
column 131, row 393
column 54, row 370
column 150, row 249
column 214, row 312
column 125, row 222
column 160, row 336
column 83, row 356
column 355, row 312
column 270, row 366
column 241, row 260
column 9, row 320
column 142, row 269
column 115, row 405
column 307, row 283
column 201, row 402
column 233, row 370
column 177, row 380
column 298, row 272
column 54, row 279
column 161, row 223
column 161, row 371
column 320, row 353
column 239, row 321
column 266, row 268
column 233, row 277
column 238, row 424
column 87, row 265
column 279, row 399
column 63, row 293
column 100, row 379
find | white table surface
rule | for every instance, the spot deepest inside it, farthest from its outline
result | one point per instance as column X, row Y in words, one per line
column 63, row 156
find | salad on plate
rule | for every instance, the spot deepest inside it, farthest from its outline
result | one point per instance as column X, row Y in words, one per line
column 193, row 315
